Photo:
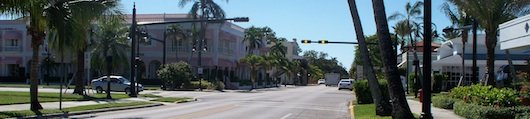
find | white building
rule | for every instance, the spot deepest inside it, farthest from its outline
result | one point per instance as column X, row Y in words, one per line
column 449, row 59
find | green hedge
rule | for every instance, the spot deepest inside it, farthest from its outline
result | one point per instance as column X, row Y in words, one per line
column 443, row 101
column 474, row 111
column 486, row 95
column 523, row 116
column 362, row 91
column 204, row 84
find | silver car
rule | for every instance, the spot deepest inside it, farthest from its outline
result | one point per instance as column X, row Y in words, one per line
column 117, row 83
column 346, row 84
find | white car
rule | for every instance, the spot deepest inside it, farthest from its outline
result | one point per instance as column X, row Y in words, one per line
column 117, row 83
column 321, row 81
column 346, row 84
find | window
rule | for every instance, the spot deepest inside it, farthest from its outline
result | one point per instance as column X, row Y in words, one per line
column 13, row 42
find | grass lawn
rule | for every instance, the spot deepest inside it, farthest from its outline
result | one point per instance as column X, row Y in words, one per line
column 25, row 113
column 10, row 97
column 149, row 96
column 21, row 85
column 367, row 111
column 172, row 99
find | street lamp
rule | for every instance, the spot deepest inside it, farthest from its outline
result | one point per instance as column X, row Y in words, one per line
column 474, row 68
column 427, row 61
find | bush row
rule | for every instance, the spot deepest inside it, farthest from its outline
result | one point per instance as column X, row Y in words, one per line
column 474, row 111
column 362, row 91
column 485, row 95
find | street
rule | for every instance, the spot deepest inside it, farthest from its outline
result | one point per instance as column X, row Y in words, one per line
column 308, row 102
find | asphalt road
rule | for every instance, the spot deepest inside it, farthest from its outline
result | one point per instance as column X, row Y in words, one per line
column 309, row 102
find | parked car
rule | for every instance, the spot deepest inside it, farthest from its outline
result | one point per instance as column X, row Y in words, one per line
column 321, row 81
column 346, row 84
column 117, row 83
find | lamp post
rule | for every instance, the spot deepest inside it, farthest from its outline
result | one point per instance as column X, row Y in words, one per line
column 427, row 61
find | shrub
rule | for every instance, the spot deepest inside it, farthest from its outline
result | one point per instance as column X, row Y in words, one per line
column 175, row 75
column 362, row 91
column 410, row 83
column 474, row 111
column 443, row 102
column 437, row 83
column 203, row 84
column 523, row 116
column 486, row 95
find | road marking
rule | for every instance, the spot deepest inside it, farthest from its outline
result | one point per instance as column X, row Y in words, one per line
column 207, row 112
column 285, row 117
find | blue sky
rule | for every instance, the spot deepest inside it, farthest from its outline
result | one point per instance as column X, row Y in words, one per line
column 300, row 19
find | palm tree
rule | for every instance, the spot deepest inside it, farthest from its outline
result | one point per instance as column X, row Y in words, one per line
column 400, row 108
column 110, row 40
column 84, row 12
column 254, row 62
column 413, row 13
column 253, row 36
column 382, row 106
column 489, row 18
column 41, row 14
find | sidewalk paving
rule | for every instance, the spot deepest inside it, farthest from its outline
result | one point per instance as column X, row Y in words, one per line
column 55, row 105
column 437, row 113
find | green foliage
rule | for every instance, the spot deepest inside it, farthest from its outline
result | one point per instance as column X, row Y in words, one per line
column 204, row 84
column 485, row 95
column 362, row 91
column 443, row 101
column 474, row 111
column 410, row 82
column 326, row 64
column 172, row 99
column 525, row 115
column 366, row 111
column 374, row 53
column 175, row 75
column 438, row 78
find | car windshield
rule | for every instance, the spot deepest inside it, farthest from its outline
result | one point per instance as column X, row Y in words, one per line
column 344, row 81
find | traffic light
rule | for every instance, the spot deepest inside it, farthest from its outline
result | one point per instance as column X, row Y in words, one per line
column 323, row 41
column 306, row 41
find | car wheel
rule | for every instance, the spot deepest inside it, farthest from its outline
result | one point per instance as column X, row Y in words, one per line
column 127, row 90
column 99, row 90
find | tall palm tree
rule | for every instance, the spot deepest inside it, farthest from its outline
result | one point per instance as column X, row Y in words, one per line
column 84, row 13
column 489, row 18
column 110, row 40
column 400, row 108
column 253, row 38
column 40, row 14
column 254, row 62
column 412, row 13
column 382, row 106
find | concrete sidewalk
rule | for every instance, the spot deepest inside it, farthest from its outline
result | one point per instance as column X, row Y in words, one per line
column 55, row 105
column 437, row 113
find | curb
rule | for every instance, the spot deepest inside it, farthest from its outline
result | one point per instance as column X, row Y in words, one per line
column 65, row 115
column 352, row 110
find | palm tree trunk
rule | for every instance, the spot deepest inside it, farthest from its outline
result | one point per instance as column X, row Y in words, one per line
column 36, row 41
column 382, row 106
column 464, row 40
column 400, row 107
column 491, row 42
column 79, row 80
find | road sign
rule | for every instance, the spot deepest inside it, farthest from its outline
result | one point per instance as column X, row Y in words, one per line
column 199, row 70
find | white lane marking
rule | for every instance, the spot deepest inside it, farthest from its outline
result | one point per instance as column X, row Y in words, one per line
column 285, row 117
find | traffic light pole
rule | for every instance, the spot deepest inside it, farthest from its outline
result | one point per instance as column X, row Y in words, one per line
column 332, row 42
